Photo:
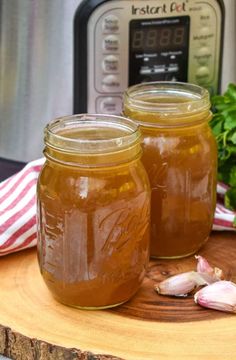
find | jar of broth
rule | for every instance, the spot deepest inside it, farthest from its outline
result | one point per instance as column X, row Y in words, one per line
column 180, row 156
column 93, row 211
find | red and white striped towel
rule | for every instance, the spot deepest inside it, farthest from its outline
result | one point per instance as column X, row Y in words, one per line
column 18, row 210
column 224, row 219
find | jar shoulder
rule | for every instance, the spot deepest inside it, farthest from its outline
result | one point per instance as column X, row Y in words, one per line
column 200, row 138
column 91, row 188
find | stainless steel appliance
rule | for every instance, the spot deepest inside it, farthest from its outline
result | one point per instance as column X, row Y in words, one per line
column 58, row 57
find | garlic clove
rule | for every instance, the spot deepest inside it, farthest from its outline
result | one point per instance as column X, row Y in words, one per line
column 209, row 273
column 220, row 295
column 180, row 284
column 211, row 278
column 202, row 265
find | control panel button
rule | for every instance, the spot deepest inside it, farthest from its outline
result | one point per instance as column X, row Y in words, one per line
column 205, row 30
column 204, row 33
column 111, row 43
column 110, row 83
column 159, row 69
column 145, row 70
column 173, row 69
column 110, row 63
column 111, row 23
column 109, row 105
column 203, row 55
column 202, row 74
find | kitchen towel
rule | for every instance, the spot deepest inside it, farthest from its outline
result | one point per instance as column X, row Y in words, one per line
column 18, row 210
column 224, row 219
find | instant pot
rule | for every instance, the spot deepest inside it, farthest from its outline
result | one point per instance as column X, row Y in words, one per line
column 61, row 57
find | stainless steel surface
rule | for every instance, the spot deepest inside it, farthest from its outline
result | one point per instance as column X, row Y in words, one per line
column 36, row 69
column 229, row 47
column 36, row 41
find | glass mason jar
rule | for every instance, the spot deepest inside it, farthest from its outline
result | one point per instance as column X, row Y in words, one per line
column 180, row 156
column 93, row 211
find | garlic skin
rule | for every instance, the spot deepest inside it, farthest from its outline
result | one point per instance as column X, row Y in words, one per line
column 180, row 284
column 220, row 295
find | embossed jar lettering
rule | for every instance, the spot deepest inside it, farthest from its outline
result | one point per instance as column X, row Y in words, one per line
column 93, row 211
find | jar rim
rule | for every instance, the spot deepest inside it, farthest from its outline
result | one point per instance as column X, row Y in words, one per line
column 194, row 100
column 92, row 133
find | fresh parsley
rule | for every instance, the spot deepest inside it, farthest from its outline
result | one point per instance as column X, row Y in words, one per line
column 223, row 125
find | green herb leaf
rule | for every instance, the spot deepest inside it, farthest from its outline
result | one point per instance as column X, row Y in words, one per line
column 232, row 137
column 230, row 198
column 224, row 171
column 231, row 92
column 234, row 222
column 217, row 124
column 232, row 176
column 230, row 119
column 223, row 126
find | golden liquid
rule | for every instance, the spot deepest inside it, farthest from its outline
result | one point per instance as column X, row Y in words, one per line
column 181, row 163
column 93, row 243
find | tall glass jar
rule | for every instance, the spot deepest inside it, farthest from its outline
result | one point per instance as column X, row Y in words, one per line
column 180, row 156
column 93, row 211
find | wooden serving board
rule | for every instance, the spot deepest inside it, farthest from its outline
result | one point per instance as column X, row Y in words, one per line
column 150, row 326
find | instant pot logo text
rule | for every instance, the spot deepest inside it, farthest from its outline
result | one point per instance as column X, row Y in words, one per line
column 173, row 7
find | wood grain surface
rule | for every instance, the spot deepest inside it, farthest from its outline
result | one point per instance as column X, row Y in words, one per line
column 150, row 326
column 220, row 251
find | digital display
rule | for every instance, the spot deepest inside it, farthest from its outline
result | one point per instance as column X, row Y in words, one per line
column 163, row 37
column 158, row 35
column 159, row 49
